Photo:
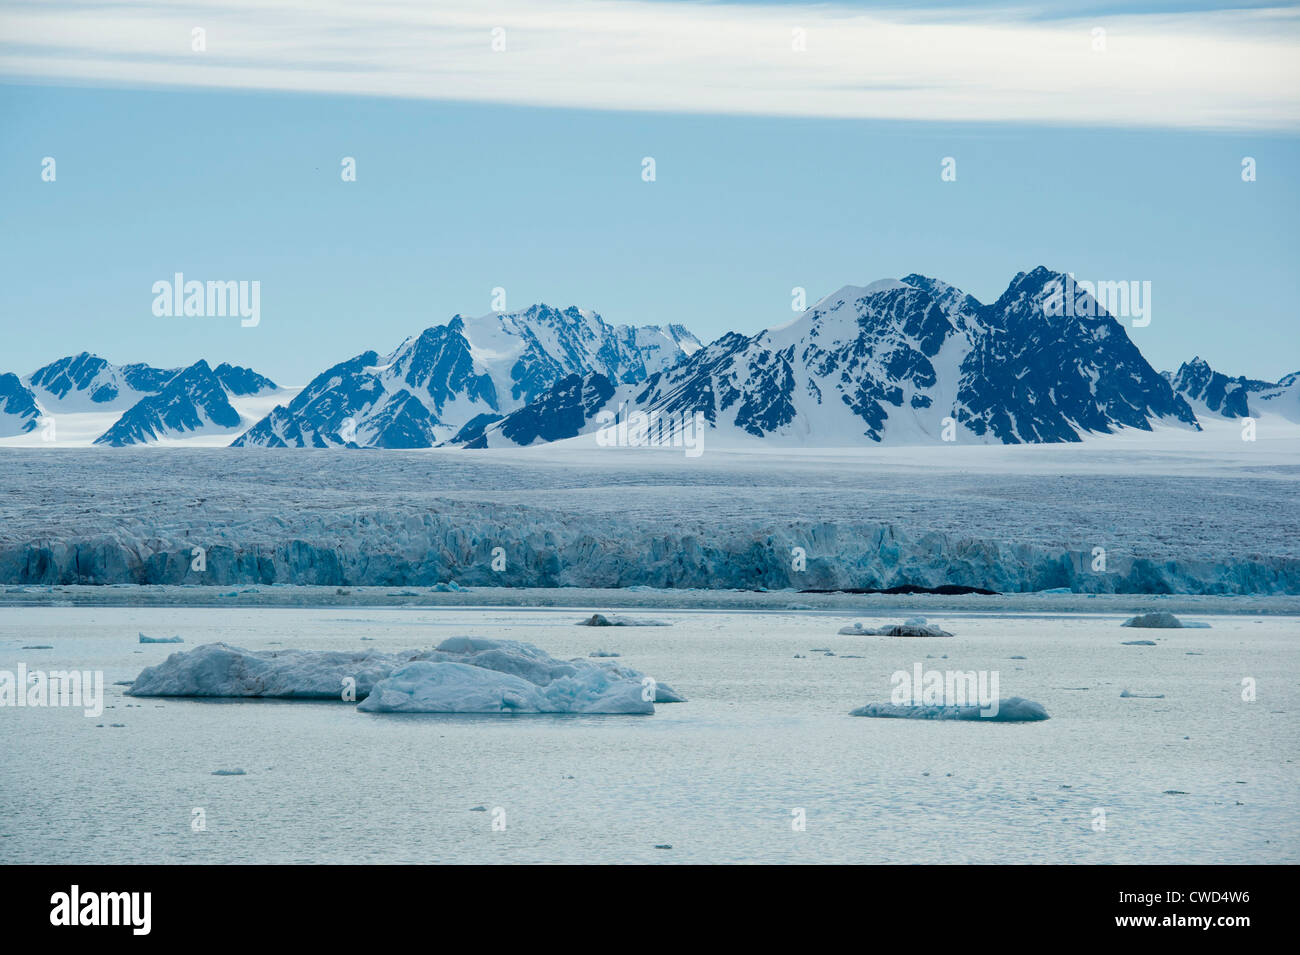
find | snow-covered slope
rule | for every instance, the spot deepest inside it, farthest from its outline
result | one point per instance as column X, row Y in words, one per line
column 19, row 409
column 560, row 413
column 899, row 362
column 1280, row 398
column 432, row 385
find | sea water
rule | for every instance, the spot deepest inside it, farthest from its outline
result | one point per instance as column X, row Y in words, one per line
column 763, row 764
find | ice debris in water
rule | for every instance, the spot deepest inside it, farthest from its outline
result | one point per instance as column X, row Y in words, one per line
column 604, row 653
column 1126, row 695
column 144, row 639
column 1016, row 709
column 911, row 627
column 229, row 772
column 580, row 685
column 600, row 620
column 1138, row 643
column 1160, row 620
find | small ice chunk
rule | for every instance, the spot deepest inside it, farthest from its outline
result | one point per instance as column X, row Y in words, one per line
column 908, row 628
column 229, row 772
column 144, row 639
column 1160, row 620
column 1126, row 695
column 1138, row 643
column 604, row 653
column 612, row 620
column 1016, row 709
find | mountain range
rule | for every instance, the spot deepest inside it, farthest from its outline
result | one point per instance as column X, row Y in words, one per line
column 896, row 362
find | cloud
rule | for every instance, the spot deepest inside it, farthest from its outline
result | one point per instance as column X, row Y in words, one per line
column 1226, row 69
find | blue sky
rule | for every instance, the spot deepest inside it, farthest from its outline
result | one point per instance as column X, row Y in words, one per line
column 546, row 200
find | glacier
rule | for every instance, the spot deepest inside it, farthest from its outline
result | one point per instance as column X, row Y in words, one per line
column 1010, row 520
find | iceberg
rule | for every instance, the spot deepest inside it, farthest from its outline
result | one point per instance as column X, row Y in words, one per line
column 600, row 620
column 1013, row 710
column 663, row 692
column 144, row 639
column 221, row 670
column 426, row 687
column 1160, row 620
column 911, row 627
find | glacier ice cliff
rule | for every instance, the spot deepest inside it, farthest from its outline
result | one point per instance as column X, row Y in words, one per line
column 412, row 520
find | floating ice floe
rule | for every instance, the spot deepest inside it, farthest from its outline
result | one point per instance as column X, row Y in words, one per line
column 523, row 678
column 1137, row 643
column 1126, row 695
column 911, row 627
column 1013, row 710
column 450, row 587
column 144, row 639
column 229, row 772
column 601, row 620
column 218, row 669
column 604, row 653
column 1160, row 620
column 425, row 687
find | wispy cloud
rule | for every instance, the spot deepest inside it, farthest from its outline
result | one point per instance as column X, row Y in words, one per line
column 1196, row 69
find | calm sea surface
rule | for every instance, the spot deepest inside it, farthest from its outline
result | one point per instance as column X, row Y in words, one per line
column 1198, row 776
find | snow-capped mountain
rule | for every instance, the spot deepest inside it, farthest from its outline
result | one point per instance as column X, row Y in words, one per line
column 898, row 361
column 1212, row 392
column 196, row 400
column 432, row 385
column 86, row 382
column 1209, row 391
column 19, row 409
column 89, row 400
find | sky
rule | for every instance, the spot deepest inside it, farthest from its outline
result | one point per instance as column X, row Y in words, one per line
column 522, row 168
